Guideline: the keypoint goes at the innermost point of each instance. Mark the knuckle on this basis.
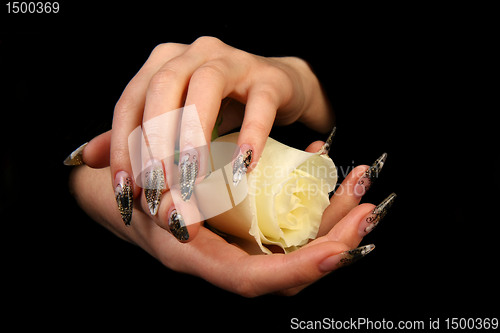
(119, 156)
(166, 49)
(256, 126)
(165, 76)
(124, 105)
(268, 95)
(207, 41)
(209, 72)
(276, 73)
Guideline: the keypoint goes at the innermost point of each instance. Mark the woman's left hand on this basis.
(212, 258)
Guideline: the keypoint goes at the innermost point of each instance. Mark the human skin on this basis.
(264, 91)
(212, 258)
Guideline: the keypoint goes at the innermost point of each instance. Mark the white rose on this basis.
(280, 203)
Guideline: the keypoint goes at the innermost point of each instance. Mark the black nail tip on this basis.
(177, 226)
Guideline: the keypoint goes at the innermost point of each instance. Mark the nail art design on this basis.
(177, 226)
(328, 143)
(351, 256)
(124, 196)
(241, 164)
(155, 183)
(75, 158)
(366, 181)
(189, 171)
(377, 214)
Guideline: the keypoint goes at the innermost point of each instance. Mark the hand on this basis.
(274, 90)
(210, 257)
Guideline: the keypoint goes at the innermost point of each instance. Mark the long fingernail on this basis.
(75, 158)
(376, 215)
(366, 181)
(189, 167)
(241, 163)
(345, 258)
(154, 185)
(177, 226)
(124, 195)
(328, 143)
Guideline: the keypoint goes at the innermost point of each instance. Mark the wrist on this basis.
(315, 111)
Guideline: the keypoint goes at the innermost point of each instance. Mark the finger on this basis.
(315, 146)
(347, 229)
(127, 133)
(358, 223)
(258, 120)
(273, 273)
(129, 109)
(162, 114)
(205, 92)
(343, 200)
(232, 269)
(96, 153)
(186, 221)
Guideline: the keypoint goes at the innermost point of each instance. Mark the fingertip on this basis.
(315, 146)
(193, 230)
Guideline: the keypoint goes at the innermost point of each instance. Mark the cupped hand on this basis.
(211, 257)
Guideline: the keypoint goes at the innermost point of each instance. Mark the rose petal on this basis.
(282, 200)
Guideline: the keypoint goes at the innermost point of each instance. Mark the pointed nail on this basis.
(124, 196)
(366, 181)
(328, 143)
(189, 171)
(241, 163)
(351, 256)
(345, 258)
(75, 158)
(177, 226)
(154, 185)
(378, 213)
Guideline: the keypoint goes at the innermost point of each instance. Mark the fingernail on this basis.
(369, 176)
(75, 158)
(345, 258)
(378, 213)
(328, 143)
(154, 184)
(188, 167)
(241, 163)
(177, 226)
(124, 195)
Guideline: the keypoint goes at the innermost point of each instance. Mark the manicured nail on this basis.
(75, 158)
(369, 176)
(189, 168)
(345, 258)
(124, 195)
(154, 185)
(241, 163)
(177, 226)
(378, 213)
(328, 143)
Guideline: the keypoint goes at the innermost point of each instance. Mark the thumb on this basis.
(96, 153)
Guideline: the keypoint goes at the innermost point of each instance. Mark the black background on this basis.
(401, 81)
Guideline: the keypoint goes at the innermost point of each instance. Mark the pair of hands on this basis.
(274, 90)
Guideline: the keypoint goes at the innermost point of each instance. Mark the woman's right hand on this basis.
(273, 90)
